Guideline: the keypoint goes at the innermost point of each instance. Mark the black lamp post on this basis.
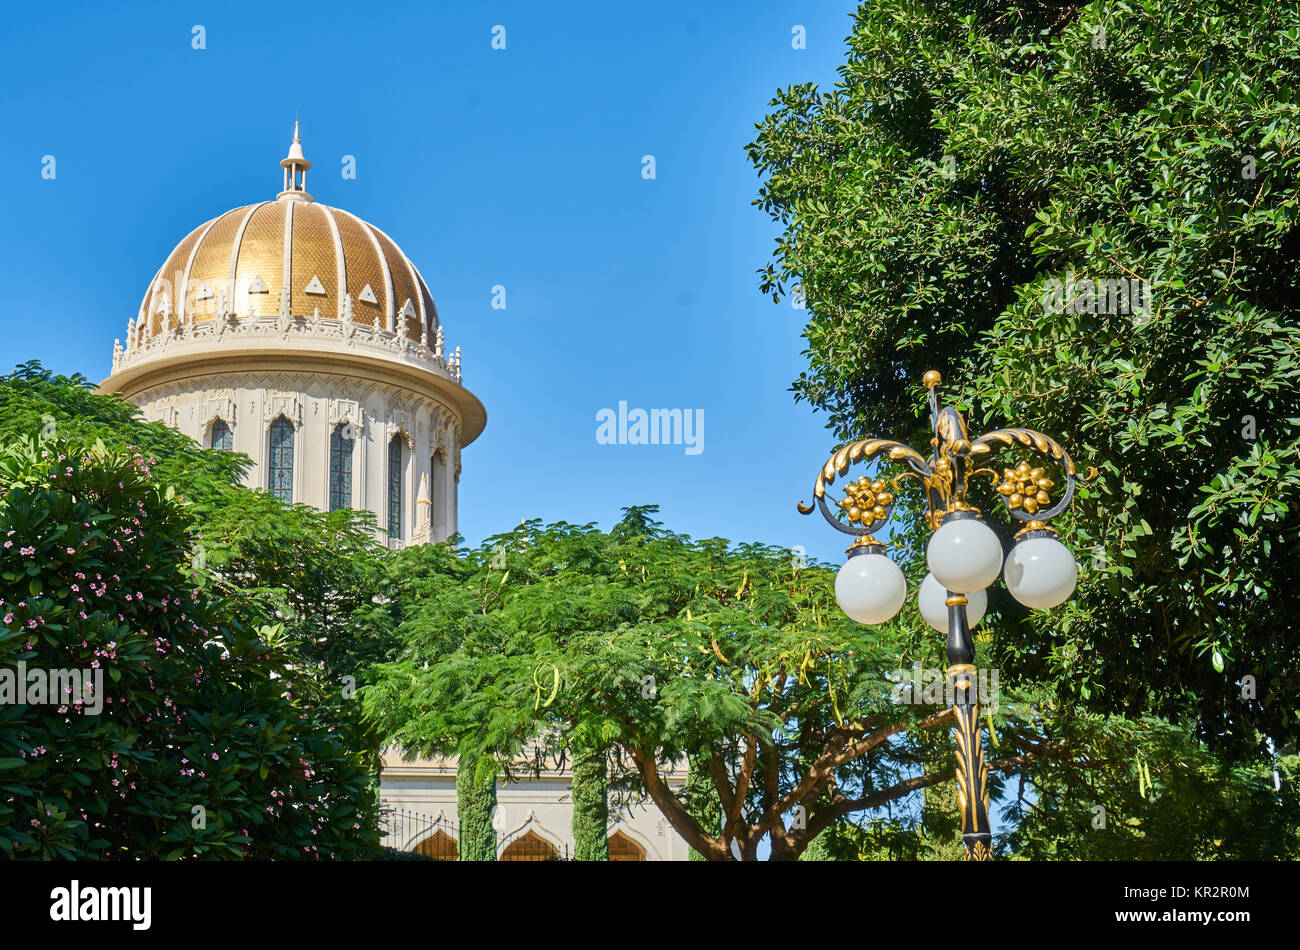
(964, 556)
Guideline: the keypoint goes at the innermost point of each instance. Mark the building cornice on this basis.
(297, 344)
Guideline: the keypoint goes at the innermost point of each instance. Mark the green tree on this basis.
(310, 572)
(969, 198)
(476, 801)
(1170, 798)
(196, 736)
(590, 803)
(672, 650)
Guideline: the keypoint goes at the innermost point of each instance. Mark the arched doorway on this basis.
(623, 848)
(529, 847)
(440, 846)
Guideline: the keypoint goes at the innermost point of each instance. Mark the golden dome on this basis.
(290, 255)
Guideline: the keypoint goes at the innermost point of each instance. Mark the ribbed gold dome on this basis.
(241, 263)
(243, 260)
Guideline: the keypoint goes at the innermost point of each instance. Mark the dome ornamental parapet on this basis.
(302, 332)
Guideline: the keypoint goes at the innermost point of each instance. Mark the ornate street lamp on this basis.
(964, 556)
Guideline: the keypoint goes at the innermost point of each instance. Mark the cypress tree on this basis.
(590, 804)
(476, 798)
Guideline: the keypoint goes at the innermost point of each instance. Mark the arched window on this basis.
(281, 468)
(530, 847)
(623, 848)
(222, 438)
(395, 487)
(436, 475)
(440, 846)
(341, 467)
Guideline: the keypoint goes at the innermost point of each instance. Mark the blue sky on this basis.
(519, 167)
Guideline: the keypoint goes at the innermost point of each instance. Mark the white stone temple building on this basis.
(302, 336)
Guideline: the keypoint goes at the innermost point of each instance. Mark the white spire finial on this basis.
(295, 167)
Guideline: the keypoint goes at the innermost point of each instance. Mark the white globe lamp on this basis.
(1040, 571)
(932, 599)
(964, 555)
(870, 588)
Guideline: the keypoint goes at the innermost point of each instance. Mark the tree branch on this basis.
(681, 820)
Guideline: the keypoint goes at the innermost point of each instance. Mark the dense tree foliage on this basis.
(311, 572)
(214, 601)
(193, 735)
(673, 650)
(1171, 798)
(968, 198)
(552, 640)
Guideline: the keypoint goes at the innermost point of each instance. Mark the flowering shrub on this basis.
(196, 737)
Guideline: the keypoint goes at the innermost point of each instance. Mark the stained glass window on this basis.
(341, 467)
(282, 459)
(222, 438)
(395, 487)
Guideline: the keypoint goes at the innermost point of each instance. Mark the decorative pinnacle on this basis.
(295, 156)
(932, 378)
(295, 167)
